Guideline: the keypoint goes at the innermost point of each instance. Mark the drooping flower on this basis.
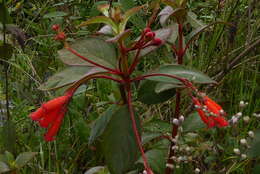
(50, 115)
(210, 112)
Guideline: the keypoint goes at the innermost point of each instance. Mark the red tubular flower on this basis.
(210, 112)
(51, 114)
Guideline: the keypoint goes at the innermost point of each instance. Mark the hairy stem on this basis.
(137, 136)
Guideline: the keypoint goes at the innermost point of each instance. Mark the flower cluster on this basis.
(50, 115)
(210, 112)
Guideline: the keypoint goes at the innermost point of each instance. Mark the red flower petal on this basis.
(212, 106)
(220, 121)
(53, 130)
(49, 118)
(55, 103)
(37, 115)
(202, 115)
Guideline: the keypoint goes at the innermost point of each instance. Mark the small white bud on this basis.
(246, 119)
(221, 111)
(177, 166)
(239, 114)
(175, 147)
(242, 104)
(243, 141)
(175, 121)
(197, 106)
(236, 151)
(180, 158)
(197, 170)
(243, 156)
(255, 114)
(251, 134)
(181, 119)
(144, 172)
(180, 129)
(173, 158)
(234, 120)
(169, 166)
(188, 149)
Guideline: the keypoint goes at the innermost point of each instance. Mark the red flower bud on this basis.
(150, 35)
(55, 27)
(157, 41)
(147, 29)
(60, 36)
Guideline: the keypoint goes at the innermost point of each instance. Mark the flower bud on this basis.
(181, 119)
(147, 29)
(236, 151)
(197, 170)
(243, 141)
(246, 119)
(55, 27)
(175, 121)
(243, 156)
(150, 35)
(239, 114)
(251, 134)
(242, 104)
(60, 36)
(157, 41)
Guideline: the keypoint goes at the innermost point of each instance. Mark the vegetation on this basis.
(159, 86)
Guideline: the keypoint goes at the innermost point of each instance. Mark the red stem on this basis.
(183, 80)
(137, 136)
(92, 62)
(181, 51)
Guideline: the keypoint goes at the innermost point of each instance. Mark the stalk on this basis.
(137, 136)
(179, 53)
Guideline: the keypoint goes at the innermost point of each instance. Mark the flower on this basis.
(50, 115)
(210, 112)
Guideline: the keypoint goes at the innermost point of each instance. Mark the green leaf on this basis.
(95, 49)
(55, 14)
(147, 95)
(193, 123)
(24, 158)
(194, 76)
(101, 19)
(100, 124)
(148, 136)
(128, 14)
(163, 34)
(118, 142)
(96, 170)
(69, 76)
(4, 167)
(256, 169)
(157, 159)
(82, 129)
(254, 151)
(161, 87)
(192, 19)
(5, 17)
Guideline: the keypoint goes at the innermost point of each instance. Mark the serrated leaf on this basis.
(95, 49)
(55, 14)
(147, 95)
(193, 123)
(118, 142)
(100, 124)
(4, 167)
(128, 14)
(254, 151)
(69, 76)
(24, 158)
(163, 34)
(99, 20)
(194, 76)
(192, 19)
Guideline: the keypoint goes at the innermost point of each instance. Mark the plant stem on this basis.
(180, 53)
(92, 62)
(137, 136)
